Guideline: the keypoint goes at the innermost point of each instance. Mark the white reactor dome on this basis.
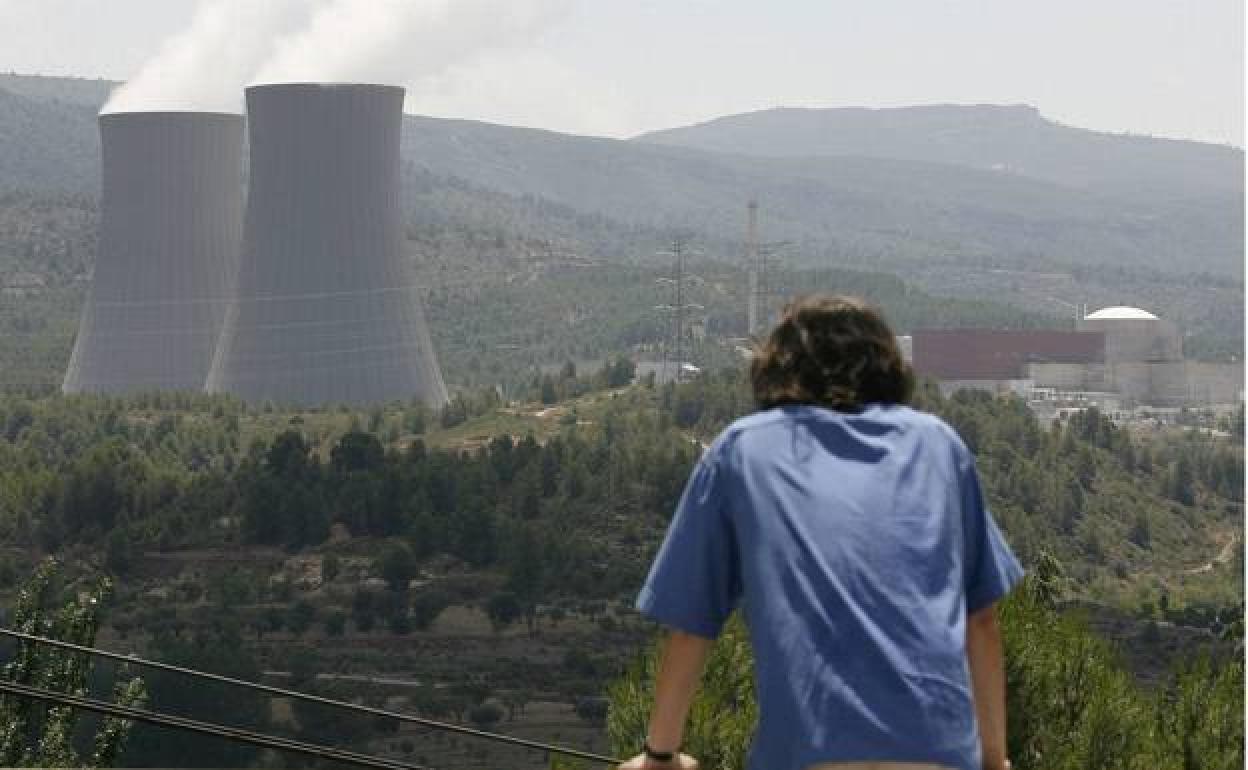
(1119, 313)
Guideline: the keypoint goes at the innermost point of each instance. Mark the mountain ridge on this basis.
(847, 208)
(1014, 138)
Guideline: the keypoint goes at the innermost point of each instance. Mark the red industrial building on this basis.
(1120, 354)
(999, 355)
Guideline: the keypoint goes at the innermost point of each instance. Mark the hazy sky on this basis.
(619, 67)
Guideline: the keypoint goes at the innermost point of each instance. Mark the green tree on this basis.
(397, 566)
(1141, 531)
(357, 452)
(427, 605)
(1049, 580)
(330, 567)
(304, 664)
(300, 617)
(1199, 717)
(119, 551)
(723, 714)
(549, 394)
(335, 623)
(503, 609)
(486, 715)
(217, 648)
(592, 710)
(620, 372)
(1182, 480)
(1070, 704)
(34, 735)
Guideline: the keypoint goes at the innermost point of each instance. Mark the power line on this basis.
(308, 698)
(315, 295)
(679, 277)
(767, 293)
(274, 297)
(751, 266)
(205, 728)
(678, 254)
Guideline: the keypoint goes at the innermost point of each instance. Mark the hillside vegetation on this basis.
(1132, 516)
(506, 294)
(504, 297)
(1070, 704)
(483, 560)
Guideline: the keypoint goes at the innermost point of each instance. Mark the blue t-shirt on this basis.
(856, 544)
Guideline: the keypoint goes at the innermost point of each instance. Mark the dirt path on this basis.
(1225, 554)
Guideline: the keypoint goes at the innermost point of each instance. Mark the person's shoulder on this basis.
(920, 420)
(756, 420)
(782, 416)
(745, 427)
(908, 419)
(935, 428)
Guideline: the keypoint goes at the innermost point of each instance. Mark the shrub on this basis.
(427, 605)
(485, 715)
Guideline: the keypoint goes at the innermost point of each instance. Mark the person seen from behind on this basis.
(852, 532)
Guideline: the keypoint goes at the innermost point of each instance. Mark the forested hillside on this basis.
(1133, 515)
(517, 283)
(482, 561)
(867, 208)
(47, 146)
(89, 92)
(508, 288)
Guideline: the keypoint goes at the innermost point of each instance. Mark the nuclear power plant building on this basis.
(1143, 353)
(1123, 354)
(325, 310)
(170, 225)
(1004, 360)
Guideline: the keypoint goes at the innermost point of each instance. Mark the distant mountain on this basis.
(89, 92)
(1013, 139)
(847, 208)
(994, 186)
(48, 145)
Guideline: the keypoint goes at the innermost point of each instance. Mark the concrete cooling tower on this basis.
(325, 310)
(170, 227)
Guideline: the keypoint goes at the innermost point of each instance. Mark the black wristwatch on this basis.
(658, 756)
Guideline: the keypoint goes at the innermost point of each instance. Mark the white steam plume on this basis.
(231, 43)
(526, 88)
(204, 66)
(396, 41)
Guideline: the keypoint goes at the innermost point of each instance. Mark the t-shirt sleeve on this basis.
(694, 583)
(991, 568)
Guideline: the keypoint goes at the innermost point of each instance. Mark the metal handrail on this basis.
(308, 698)
(205, 728)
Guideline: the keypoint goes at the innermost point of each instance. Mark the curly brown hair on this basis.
(832, 351)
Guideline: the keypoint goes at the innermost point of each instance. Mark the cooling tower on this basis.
(170, 227)
(325, 309)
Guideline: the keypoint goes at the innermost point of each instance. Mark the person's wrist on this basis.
(657, 755)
